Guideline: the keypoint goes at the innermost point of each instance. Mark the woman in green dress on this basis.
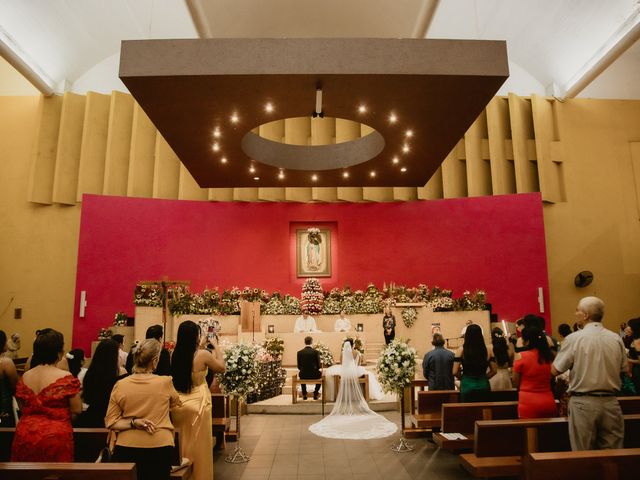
(474, 365)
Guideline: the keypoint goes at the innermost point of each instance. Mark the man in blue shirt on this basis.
(437, 365)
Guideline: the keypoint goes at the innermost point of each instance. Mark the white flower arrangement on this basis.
(409, 316)
(241, 375)
(396, 366)
(326, 358)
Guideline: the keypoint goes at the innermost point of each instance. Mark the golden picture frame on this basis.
(313, 258)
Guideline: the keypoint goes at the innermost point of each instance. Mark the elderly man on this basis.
(596, 358)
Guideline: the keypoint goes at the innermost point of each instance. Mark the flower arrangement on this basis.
(171, 346)
(274, 347)
(241, 375)
(326, 358)
(104, 333)
(409, 316)
(148, 296)
(274, 306)
(291, 305)
(120, 319)
(396, 366)
(312, 296)
(442, 304)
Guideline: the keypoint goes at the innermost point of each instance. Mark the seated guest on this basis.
(437, 365)
(164, 364)
(102, 375)
(189, 365)
(342, 324)
(501, 353)
(532, 374)
(309, 366)
(305, 323)
(75, 362)
(122, 355)
(472, 362)
(139, 413)
(8, 380)
(47, 396)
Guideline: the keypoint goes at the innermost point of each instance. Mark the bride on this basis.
(351, 417)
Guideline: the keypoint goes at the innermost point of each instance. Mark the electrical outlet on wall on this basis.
(17, 313)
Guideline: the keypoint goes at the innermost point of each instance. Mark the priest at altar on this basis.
(305, 324)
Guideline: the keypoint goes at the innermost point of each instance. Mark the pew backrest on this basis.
(431, 401)
(629, 405)
(67, 471)
(586, 465)
(461, 417)
(507, 395)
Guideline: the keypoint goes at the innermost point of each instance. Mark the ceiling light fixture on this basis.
(256, 178)
(281, 175)
(223, 160)
(215, 147)
(403, 169)
(393, 118)
(372, 174)
(268, 107)
(252, 169)
(234, 118)
(314, 177)
(216, 132)
(405, 148)
(362, 109)
(409, 133)
(395, 160)
(345, 174)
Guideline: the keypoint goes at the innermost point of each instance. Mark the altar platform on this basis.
(282, 405)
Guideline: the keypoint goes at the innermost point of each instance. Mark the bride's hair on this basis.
(348, 340)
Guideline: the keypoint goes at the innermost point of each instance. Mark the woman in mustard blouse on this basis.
(139, 413)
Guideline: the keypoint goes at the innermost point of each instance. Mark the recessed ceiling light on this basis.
(281, 175)
(405, 148)
(345, 174)
(395, 160)
(252, 169)
(234, 118)
(393, 118)
(372, 173)
(362, 109)
(314, 177)
(216, 132)
(215, 147)
(268, 107)
(403, 169)
(409, 133)
(256, 178)
(223, 160)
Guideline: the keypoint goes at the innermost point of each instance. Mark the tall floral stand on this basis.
(402, 445)
(238, 455)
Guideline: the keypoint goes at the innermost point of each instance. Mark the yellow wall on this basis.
(587, 150)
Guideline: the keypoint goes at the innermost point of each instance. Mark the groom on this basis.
(309, 366)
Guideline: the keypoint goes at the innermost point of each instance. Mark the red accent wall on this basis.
(495, 243)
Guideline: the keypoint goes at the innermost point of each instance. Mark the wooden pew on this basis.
(619, 464)
(363, 380)
(629, 405)
(220, 421)
(68, 471)
(500, 445)
(295, 381)
(429, 411)
(461, 418)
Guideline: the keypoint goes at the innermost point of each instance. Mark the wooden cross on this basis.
(165, 284)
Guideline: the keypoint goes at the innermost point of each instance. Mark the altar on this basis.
(295, 341)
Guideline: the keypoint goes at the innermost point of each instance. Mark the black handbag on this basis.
(106, 452)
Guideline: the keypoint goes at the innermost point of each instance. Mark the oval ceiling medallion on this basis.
(324, 156)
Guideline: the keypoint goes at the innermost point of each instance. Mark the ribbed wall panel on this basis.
(273, 194)
(221, 194)
(550, 169)
(166, 171)
(94, 145)
(188, 188)
(503, 176)
(478, 167)
(297, 131)
(521, 132)
(246, 194)
(349, 194)
(454, 173)
(142, 155)
(324, 194)
(405, 194)
(377, 194)
(323, 131)
(346, 130)
(116, 171)
(433, 190)
(65, 177)
(298, 194)
(43, 163)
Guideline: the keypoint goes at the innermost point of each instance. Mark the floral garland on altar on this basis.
(409, 316)
(370, 301)
(396, 366)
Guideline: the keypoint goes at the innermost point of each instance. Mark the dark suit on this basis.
(309, 366)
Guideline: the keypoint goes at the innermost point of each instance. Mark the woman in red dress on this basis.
(48, 396)
(532, 373)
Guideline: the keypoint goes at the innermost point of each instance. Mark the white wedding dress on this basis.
(375, 389)
(351, 417)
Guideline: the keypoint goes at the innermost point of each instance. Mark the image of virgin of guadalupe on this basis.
(314, 254)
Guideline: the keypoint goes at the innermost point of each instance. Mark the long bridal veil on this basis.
(351, 417)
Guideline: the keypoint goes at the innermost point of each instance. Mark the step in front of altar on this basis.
(282, 405)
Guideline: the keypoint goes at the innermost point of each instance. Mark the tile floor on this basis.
(282, 448)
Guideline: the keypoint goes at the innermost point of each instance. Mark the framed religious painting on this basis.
(313, 252)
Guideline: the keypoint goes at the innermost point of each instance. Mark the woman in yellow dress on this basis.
(189, 365)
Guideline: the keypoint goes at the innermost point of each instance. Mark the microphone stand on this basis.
(253, 326)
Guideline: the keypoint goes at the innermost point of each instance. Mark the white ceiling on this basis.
(75, 43)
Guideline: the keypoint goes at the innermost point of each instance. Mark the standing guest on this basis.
(8, 381)
(164, 364)
(437, 365)
(139, 413)
(503, 357)
(122, 355)
(596, 357)
(531, 373)
(305, 323)
(342, 324)
(101, 376)
(471, 363)
(75, 362)
(564, 330)
(13, 345)
(536, 321)
(189, 365)
(389, 325)
(633, 330)
(47, 396)
(308, 362)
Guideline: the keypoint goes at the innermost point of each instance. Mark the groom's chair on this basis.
(363, 380)
(295, 381)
